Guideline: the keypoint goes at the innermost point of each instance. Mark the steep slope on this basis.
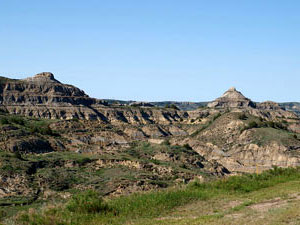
(41, 157)
(232, 99)
(246, 143)
(41, 89)
(43, 96)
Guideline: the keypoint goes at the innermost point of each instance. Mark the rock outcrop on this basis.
(42, 89)
(269, 105)
(141, 104)
(232, 99)
(43, 96)
(230, 142)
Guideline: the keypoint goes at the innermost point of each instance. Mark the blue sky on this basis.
(156, 50)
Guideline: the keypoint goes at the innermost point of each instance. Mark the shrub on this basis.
(187, 146)
(216, 116)
(295, 136)
(83, 161)
(252, 124)
(242, 116)
(34, 129)
(75, 119)
(271, 124)
(17, 120)
(17, 155)
(166, 142)
(2, 214)
(4, 121)
(87, 202)
(57, 179)
(172, 106)
(45, 130)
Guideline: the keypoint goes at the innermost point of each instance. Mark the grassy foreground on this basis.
(234, 200)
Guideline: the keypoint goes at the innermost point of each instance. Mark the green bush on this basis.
(75, 119)
(57, 179)
(261, 124)
(2, 214)
(172, 106)
(17, 155)
(87, 202)
(166, 142)
(242, 116)
(45, 130)
(17, 120)
(187, 146)
(216, 116)
(252, 124)
(83, 161)
(4, 121)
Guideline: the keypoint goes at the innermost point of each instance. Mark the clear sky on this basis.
(185, 50)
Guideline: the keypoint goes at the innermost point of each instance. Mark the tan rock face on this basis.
(252, 150)
(45, 75)
(134, 133)
(154, 131)
(41, 89)
(44, 97)
(232, 99)
(269, 105)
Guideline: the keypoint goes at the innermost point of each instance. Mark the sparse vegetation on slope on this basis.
(263, 124)
(206, 125)
(32, 125)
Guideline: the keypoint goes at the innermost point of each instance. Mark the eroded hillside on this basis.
(56, 140)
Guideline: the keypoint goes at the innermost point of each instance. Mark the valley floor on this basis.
(274, 205)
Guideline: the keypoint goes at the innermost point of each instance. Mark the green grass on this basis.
(154, 204)
(28, 124)
(264, 124)
(264, 136)
(87, 202)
